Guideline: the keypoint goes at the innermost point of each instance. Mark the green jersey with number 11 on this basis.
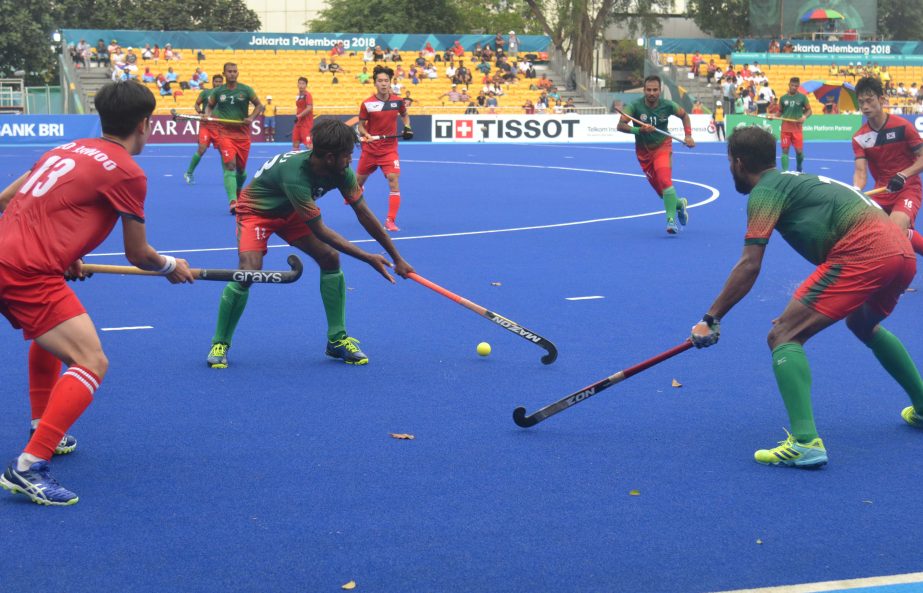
(657, 116)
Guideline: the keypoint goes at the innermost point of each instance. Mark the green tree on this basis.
(721, 18)
(388, 16)
(493, 16)
(25, 44)
(900, 19)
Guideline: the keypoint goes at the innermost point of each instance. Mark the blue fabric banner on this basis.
(47, 129)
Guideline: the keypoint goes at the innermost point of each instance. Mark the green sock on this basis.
(230, 184)
(785, 161)
(333, 293)
(669, 202)
(194, 163)
(799, 159)
(241, 177)
(793, 375)
(892, 355)
(233, 302)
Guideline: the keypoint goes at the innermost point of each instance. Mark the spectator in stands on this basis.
(834, 71)
(901, 91)
(448, 55)
(499, 42)
(728, 88)
(711, 71)
(110, 49)
(334, 68)
(147, 53)
(168, 53)
(541, 104)
(117, 55)
(396, 86)
(553, 94)
(400, 73)
(171, 75)
(200, 57)
(450, 70)
(364, 76)
(414, 75)
(512, 46)
(368, 55)
(193, 82)
(697, 107)
(408, 100)
(483, 67)
(322, 67)
(788, 47)
(492, 103)
(378, 54)
(544, 83)
(696, 63)
(396, 56)
(530, 71)
(164, 85)
(569, 106)
(155, 53)
(82, 51)
(528, 108)
(830, 108)
(739, 45)
(912, 91)
(102, 53)
(774, 46)
(452, 94)
(764, 98)
(774, 109)
(131, 58)
(428, 52)
(148, 76)
(339, 49)
(462, 75)
(458, 50)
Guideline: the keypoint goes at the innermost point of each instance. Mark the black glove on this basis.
(897, 183)
(407, 134)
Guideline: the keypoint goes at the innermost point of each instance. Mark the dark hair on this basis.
(754, 146)
(122, 106)
(794, 79)
(653, 78)
(869, 84)
(331, 136)
(300, 78)
(216, 77)
(382, 70)
(226, 64)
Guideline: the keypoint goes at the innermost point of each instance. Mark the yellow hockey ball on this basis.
(483, 348)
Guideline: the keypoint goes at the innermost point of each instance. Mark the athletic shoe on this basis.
(390, 226)
(671, 226)
(188, 178)
(67, 445)
(38, 484)
(346, 350)
(682, 214)
(794, 454)
(233, 206)
(218, 357)
(911, 417)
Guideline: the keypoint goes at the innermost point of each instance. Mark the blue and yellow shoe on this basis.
(682, 212)
(38, 484)
(672, 228)
(791, 453)
(67, 445)
(911, 417)
(218, 357)
(347, 351)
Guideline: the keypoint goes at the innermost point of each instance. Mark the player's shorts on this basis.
(795, 139)
(254, 231)
(907, 201)
(389, 163)
(234, 150)
(269, 122)
(301, 134)
(841, 284)
(36, 304)
(208, 136)
(657, 165)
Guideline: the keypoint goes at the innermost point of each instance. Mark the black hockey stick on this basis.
(256, 276)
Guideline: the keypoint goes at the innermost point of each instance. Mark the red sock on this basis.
(916, 240)
(394, 204)
(44, 369)
(70, 397)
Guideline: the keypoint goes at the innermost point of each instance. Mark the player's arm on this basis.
(405, 118)
(308, 109)
(371, 225)
(860, 172)
(363, 132)
(211, 105)
(257, 111)
(687, 127)
(199, 105)
(742, 278)
(11, 190)
(625, 125)
(341, 244)
(807, 112)
(140, 253)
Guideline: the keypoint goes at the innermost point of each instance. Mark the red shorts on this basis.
(36, 304)
(907, 201)
(657, 165)
(301, 134)
(254, 231)
(234, 150)
(207, 136)
(389, 163)
(795, 139)
(838, 289)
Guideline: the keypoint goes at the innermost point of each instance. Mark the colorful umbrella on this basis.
(842, 93)
(821, 14)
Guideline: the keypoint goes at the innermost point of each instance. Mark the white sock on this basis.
(25, 461)
(35, 423)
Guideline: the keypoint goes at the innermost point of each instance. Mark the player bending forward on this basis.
(61, 209)
(655, 150)
(864, 263)
(281, 199)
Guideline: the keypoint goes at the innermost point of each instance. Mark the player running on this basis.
(654, 150)
(281, 199)
(232, 101)
(304, 116)
(891, 147)
(207, 132)
(378, 117)
(795, 110)
(863, 262)
(53, 215)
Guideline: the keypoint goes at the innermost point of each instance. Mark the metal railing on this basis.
(12, 96)
(575, 78)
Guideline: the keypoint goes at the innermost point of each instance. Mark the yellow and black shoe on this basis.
(911, 417)
(218, 357)
(791, 453)
(347, 351)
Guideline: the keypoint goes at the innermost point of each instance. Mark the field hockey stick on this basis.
(876, 191)
(500, 320)
(519, 414)
(658, 130)
(204, 118)
(255, 276)
(361, 139)
(794, 121)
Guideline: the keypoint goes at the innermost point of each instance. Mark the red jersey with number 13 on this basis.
(380, 119)
(69, 204)
(888, 150)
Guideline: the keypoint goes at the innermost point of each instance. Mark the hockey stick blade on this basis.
(525, 421)
(513, 327)
(258, 276)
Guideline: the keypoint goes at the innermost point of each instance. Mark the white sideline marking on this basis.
(584, 298)
(130, 327)
(883, 581)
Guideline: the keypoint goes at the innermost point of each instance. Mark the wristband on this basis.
(688, 131)
(634, 131)
(709, 320)
(168, 266)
